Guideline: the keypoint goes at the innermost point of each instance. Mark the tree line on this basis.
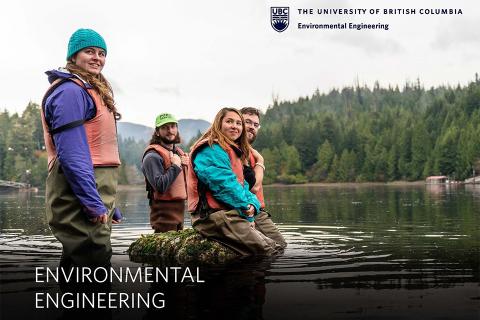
(23, 157)
(359, 134)
(22, 149)
(353, 134)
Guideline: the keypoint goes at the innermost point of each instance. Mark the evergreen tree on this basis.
(420, 150)
(333, 172)
(447, 157)
(392, 172)
(381, 164)
(325, 156)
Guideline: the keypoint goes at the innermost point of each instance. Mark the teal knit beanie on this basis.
(83, 38)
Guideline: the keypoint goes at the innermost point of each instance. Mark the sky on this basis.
(191, 58)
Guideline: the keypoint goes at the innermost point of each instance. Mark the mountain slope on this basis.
(188, 129)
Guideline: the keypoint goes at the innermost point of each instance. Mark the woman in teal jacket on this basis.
(219, 199)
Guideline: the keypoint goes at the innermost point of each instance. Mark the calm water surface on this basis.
(354, 252)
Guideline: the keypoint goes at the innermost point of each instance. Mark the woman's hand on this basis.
(100, 219)
(250, 211)
(117, 216)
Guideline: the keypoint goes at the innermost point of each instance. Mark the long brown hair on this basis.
(99, 83)
(214, 134)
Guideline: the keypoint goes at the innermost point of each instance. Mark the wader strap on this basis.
(55, 85)
(268, 213)
(70, 125)
(202, 207)
(150, 191)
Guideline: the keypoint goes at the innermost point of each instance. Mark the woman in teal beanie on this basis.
(79, 122)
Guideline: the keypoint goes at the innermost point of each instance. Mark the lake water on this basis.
(354, 252)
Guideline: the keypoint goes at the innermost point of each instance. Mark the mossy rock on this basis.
(182, 247)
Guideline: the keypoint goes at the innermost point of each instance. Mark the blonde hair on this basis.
(214, 134)
(99, 83)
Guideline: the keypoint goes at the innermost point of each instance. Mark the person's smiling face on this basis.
(252, 124)
(232, 125)
(168, 132)
(90, 59)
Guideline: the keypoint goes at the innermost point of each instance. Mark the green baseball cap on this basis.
(164, 118)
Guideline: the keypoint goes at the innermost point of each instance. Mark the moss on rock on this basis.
(182, 247)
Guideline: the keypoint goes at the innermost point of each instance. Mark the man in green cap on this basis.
(164, 166)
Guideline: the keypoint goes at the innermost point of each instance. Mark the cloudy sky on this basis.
(191, 58)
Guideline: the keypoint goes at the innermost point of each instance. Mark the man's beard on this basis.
(170, 141)
(252, 139)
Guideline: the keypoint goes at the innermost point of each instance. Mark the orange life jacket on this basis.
(259, 193)
(192, 179)
(101, 130)
(178, 188)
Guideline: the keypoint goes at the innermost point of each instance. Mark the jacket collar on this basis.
(62, 73)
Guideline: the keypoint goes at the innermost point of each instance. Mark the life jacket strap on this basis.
(69, 125)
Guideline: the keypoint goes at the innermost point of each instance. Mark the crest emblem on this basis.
(279, 18)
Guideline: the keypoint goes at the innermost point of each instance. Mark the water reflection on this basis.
(353, 252)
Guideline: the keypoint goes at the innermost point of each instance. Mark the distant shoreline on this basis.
(126, 187)
(350, 184)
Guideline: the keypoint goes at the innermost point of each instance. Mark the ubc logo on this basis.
(279, 18)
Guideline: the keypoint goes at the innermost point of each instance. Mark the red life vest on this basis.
(101, 131)
(192, 180)
(259, 193)
(178, 188)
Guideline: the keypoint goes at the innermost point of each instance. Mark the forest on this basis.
(353, 134)
(358, 134)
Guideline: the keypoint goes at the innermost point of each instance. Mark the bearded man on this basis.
(164, 166)
(263, 221)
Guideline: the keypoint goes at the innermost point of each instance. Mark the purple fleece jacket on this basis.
(67, 103)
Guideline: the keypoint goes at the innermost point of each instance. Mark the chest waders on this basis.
(233, 231)
(84, 243)
(167, 215)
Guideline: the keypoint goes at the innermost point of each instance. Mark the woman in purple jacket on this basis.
(79, 121)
